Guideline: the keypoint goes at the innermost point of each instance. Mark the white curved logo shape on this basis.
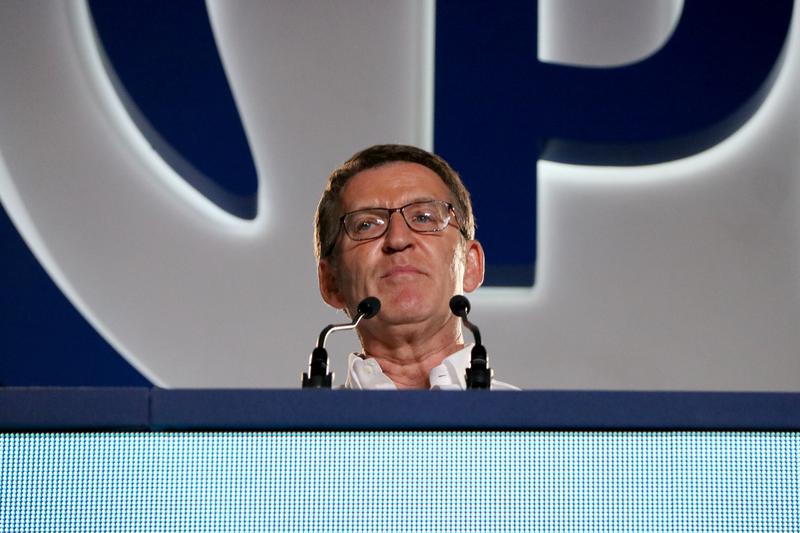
(688, 278)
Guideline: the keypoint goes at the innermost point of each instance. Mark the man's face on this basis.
(413, 274)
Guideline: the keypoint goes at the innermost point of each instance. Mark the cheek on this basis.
(457, 265)
(355, 274)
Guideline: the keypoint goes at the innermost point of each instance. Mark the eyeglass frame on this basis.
(392, 210)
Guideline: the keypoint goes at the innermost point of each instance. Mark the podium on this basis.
(320, 460)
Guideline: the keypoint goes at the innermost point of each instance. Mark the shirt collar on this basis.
(366, 373)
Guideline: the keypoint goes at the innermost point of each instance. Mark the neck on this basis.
(407, 356)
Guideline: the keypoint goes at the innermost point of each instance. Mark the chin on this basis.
(405, 309)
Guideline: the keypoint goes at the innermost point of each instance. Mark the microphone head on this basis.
(459, 305)
(369, 307)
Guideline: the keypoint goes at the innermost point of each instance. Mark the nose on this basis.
(398, 236)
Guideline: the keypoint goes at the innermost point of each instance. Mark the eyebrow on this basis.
(413, 201)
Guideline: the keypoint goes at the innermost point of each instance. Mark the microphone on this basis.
(318, 376)
(459, 304)
(478, 375)
(369, 307)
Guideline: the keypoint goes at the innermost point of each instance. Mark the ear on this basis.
(474, 268)
(328, 286)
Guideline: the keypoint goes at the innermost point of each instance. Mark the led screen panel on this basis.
(400, 481)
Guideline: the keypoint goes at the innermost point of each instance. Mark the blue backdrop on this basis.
(497, 111)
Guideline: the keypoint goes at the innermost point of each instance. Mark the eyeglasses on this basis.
(430, 216)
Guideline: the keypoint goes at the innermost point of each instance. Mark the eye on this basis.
(423, 218)
(365, 224)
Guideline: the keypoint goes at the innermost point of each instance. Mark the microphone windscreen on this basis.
(369, 307)
(459, 305)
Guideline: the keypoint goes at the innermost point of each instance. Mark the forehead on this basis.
(393, 185)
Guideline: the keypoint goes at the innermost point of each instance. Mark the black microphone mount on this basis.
(479, 375)
(318, 376)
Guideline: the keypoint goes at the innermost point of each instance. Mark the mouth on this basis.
(401, 271)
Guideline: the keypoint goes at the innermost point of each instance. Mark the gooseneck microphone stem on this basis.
(318, 376)
(476, 333)
(478, 375)
(323, 336)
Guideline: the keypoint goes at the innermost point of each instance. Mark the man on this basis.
(396, 222)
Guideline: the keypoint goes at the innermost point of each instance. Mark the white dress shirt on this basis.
(366, 373)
